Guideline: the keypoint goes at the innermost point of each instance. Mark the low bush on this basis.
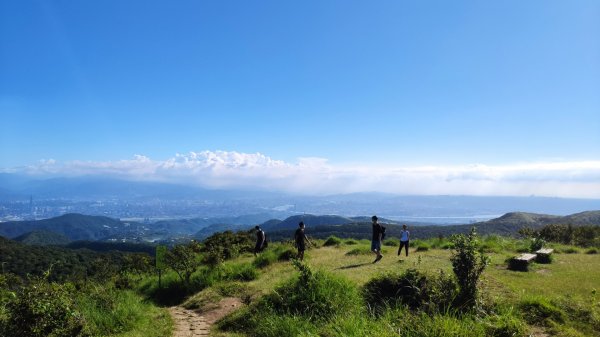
(314, 295)
(504, 325)
(43, 309)
(286, 253)
(264, 259)
(536, 243)
(391, 242)
(539, 310)
(411, 288)
(570, 250)
(351, 242)
(592, 251)
(423, 247)
(332, 241)
(297, 307)
(239, 272)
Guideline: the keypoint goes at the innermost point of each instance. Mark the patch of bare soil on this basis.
(196, 323)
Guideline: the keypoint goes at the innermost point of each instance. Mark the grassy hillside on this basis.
(556, 299)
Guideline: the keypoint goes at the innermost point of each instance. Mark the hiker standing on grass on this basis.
(376, 239)
(300, 238)
(261, 239)
(404, 238)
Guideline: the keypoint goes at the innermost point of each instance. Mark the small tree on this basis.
(183, 259)
(138, 264)
(468, 263)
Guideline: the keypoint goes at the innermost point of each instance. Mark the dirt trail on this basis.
(190, 323)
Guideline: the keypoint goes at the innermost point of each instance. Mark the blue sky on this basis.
(396, 83)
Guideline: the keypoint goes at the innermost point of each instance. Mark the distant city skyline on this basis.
(467, 97)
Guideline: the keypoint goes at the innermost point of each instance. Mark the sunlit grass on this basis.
(570, 278)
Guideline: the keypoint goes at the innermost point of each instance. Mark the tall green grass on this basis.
(109, 312)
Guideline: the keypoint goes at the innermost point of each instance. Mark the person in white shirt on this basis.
(404, 238)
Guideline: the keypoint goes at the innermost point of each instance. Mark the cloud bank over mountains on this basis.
(232, 170)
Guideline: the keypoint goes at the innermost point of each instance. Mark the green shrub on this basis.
(43, 309)
(423, 247)
(314, 295)
(264, 259)
(351, 242)
(539, 310)
(240, 272)
(438, 242)
(411, 288)
(390, 242)
(468, 263)
(286, 254)
(592, 251)
(504, 325)
(228, 245)
(332, 241)
(536, 244)
(570, 250)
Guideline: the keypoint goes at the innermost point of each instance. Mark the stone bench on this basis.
(521, 262)
(543, 255)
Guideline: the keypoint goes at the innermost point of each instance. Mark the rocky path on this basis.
(190, 323)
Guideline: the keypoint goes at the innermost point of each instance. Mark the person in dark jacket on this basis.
(376, 238)
(300, 239)
(260, 240)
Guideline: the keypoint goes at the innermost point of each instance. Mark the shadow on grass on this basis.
(354, 265)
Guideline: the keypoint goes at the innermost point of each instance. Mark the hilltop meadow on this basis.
(447, 286)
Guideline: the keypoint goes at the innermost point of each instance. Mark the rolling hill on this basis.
(43, 238)
(73, 226)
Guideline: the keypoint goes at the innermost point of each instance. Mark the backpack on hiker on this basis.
(382, 232)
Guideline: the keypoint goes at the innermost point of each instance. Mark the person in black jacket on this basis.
(260, 240)
(376, 238)
(300, 239)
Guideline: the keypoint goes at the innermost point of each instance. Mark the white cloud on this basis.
(222, 169)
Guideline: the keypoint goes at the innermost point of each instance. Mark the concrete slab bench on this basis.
(521, 262)
(543, 255)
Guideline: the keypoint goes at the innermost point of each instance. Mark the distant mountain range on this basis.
(74, 227)
(97, 195)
